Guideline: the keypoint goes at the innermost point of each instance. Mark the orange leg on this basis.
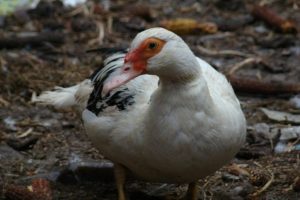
(120, 176)
(192, 192)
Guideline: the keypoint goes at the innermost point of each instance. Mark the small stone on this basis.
(65, 176)
(229, 177)
(244, 190)
(290, 133)
(93, 170)
(237, 170)
(281, 147)
(86, 171)
(295, 101)
(237, 190)
(10, 123)
(8, 153)
(22, 144)
(262, 128)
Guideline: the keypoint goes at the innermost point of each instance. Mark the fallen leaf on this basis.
(281, 116)
(296, 101)
(290, 133)
(184, 26)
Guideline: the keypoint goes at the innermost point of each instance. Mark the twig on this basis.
(293, 144)
(232, 24)
(26, 133)
(273, 19)
(81, 9)
(110, 21)
(33, 40)
(257, 86)
(217, 36)
(221, 53)
(3, 102)
(101, 33)
(266, 186)
(271, 143)
(257, 164)
(242, 64)
(250, 85)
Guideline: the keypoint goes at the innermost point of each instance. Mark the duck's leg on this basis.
(120, 176)
(192, 192)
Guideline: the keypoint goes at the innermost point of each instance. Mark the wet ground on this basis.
(46, 46)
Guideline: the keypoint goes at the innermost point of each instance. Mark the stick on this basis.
(242, 64)
(273, 19)
(249, 85)
(221, 53)
(266, 186)
(33, 40)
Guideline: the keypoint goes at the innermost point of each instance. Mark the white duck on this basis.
(180, 130)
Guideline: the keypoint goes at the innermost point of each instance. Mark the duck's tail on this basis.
(62, 98)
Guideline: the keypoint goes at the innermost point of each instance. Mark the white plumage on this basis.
(180, 130)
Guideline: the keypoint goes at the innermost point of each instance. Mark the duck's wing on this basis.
(217, 83)
(119, 113)
(88, 93)
(123, 98)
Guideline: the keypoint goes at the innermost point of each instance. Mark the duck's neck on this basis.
(174, 103)
(190, 94)
(188, 81)
(187, 91)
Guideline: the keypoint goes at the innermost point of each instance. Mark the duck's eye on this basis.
(152, 45)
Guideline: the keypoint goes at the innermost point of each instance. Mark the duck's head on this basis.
(156, 51)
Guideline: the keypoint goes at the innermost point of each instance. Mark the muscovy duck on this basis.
(158, 111)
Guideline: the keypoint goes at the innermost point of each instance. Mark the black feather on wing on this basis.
(120, 98)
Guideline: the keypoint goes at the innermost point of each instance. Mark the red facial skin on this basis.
(147, 49)
(136, 58)
(135, 63)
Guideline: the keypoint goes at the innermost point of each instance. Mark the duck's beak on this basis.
(134, 65)
(126, 73)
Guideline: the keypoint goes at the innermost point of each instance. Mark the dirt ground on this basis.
(46, 46)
